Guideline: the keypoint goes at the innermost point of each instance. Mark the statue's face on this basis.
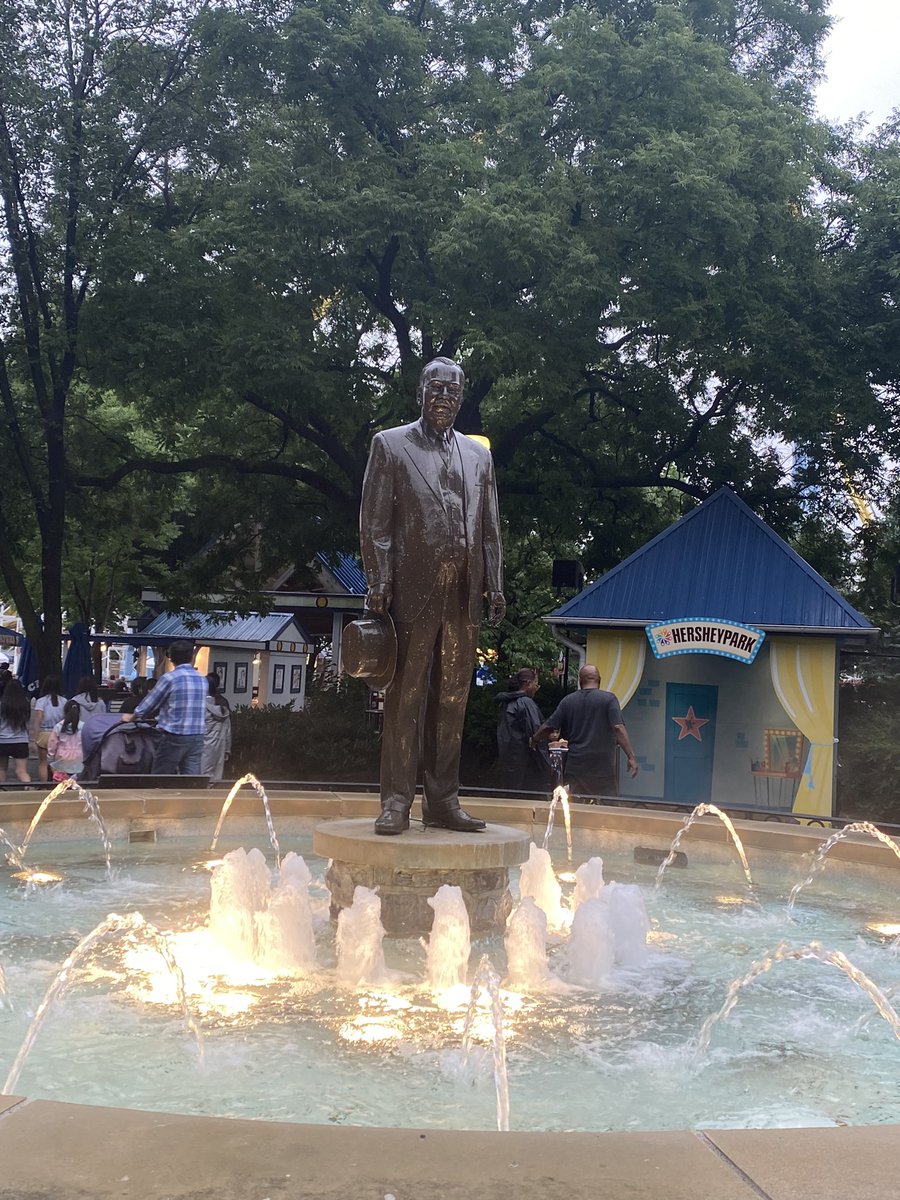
(441, 392)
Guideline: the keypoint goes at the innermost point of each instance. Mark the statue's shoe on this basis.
(392, 820)
(456, 819)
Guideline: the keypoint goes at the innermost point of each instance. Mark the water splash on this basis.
(703, 810)
(91, 807)
(560, 797)
(130, 924)
(486, 979)
(628, 922)
(12, 856)
(782, 953)
(255, 922)
(818, 862)
(4, 990)
(360, 934)
(253, 782)
(538, 880)
(526, 946)
(588, 881)
(591, 951)
(449, 943)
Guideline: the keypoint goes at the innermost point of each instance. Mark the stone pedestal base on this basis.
(408, 869)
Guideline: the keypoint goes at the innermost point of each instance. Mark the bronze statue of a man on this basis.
(430, 539)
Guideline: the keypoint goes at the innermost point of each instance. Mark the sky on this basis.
(862, 65)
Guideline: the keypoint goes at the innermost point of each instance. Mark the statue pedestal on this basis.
(409, 868)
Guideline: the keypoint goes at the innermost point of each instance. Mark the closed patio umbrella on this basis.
(78, 662)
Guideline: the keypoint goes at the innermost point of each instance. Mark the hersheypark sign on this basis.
(705, 635)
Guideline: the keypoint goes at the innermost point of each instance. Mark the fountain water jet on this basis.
(449, 943)
(131, 923)
(92, 808)
(591, 950)
(253, 782)
(360, 934)
(628, 922)
(12, 856)
(782, 953)
(588, 881)
(560, 797)
(526, 946)
(487, 979)
(818, 862)
(703, 810)
(538, 880)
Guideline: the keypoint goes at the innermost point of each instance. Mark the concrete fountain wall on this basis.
(72, 1152)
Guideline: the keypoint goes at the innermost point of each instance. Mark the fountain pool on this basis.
(618, 1054)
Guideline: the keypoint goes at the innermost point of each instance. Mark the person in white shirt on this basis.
(48, 710)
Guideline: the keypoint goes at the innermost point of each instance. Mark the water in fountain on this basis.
(4, 992)
(591, 951)
(864, 827)
(255, 922)
(526, 947)
(12, 856)
(703, 810)
(538, 880)
(487, 979)
(588, 881)
(782, 953)
(449, 942)
(92, 808)
(133, 924)
(251, 781)
(560, 797)
(360, 935)
(628, 922)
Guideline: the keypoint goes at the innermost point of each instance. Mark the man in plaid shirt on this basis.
(180, 699)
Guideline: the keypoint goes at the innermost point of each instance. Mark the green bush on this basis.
(868, 782)
(330, 739)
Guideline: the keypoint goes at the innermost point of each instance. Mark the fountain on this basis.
(703, 810)
(620, 996)
(560, 797)
(91, 807)
(449, 942)
(248, 780)
(131, 924)
(818, 863)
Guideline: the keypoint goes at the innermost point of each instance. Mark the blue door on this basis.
(690, 741)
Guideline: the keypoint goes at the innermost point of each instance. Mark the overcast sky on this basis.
(863, 61)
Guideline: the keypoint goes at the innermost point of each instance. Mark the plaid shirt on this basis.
(180, 699)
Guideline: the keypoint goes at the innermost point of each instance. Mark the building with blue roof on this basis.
(721, 644)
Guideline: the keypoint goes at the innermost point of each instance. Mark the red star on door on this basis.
(691, 724)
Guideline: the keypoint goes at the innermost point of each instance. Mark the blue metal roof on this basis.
(720, 560)
(219, 627)
(346, 571)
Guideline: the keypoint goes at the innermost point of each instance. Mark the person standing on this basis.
(591, 722)
(430, 541)
(15, 711)
(523, 767)
(89, 699)
(48, 710)
(217, 736)
(64, 747)
(180, 700)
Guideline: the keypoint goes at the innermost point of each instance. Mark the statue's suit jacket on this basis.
(404, 526)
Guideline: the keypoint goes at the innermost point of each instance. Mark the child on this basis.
(64, 747)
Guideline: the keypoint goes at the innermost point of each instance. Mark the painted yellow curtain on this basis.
(619, 657)
(803, 675)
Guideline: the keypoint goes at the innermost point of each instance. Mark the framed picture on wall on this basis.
(278, 678)
(221, 669)
(240, 677)
(296, 679)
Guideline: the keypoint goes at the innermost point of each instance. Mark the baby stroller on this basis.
(113, 748)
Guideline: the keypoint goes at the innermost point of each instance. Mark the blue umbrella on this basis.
(27, 671)
(78, 659)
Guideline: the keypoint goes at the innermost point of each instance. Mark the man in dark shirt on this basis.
(591, 722)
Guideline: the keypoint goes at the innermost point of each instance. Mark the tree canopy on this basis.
(234, 234)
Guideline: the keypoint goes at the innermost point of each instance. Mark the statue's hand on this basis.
(378, 600)
(496, 608)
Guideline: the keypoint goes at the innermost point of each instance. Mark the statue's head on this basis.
(440, 393)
